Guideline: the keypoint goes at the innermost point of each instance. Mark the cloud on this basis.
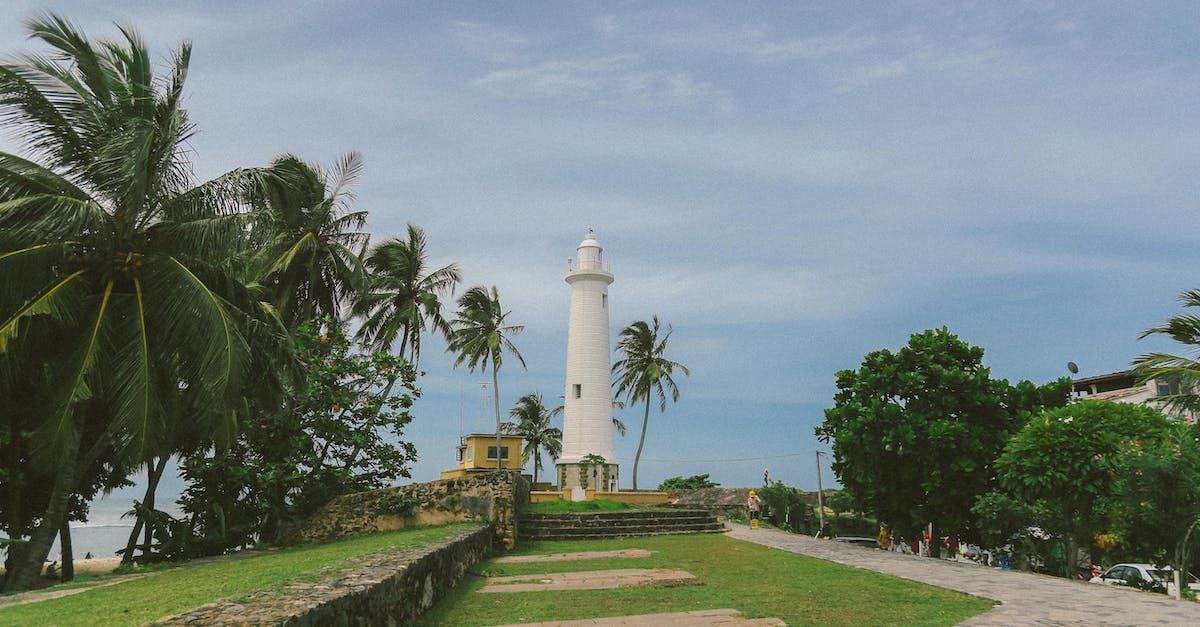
(613, 81)
(808, 48)
(974, 59)
(758, 45)
(498, 45)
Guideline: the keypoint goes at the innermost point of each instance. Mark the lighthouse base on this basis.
(597, 477)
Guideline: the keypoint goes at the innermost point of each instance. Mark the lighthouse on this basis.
(587, 404)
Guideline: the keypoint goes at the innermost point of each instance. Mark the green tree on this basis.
(694, 482)
(480, 336)
(1067, 460)
(644, 372)
(289, 462)
(311, 240)
(403, 296)
(915, 432)
(1185, 329)
(1158, 490)
(533, 425)
(108, 248)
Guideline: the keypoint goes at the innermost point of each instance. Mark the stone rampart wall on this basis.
(384, 589)
(492, 497)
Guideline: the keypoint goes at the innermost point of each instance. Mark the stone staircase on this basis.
(645, 522)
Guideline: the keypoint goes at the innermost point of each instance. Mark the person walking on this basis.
(754, 504)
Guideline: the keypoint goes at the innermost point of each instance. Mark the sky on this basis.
(789, 185)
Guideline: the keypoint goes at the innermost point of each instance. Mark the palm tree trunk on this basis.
(496, 398)
(642, 440)
(26, 571)
(153, 474)
(68, 555)
(537, 461)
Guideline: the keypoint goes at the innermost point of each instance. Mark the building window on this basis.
(492, 452)
(578, 390)
(604, 301)
(1167, 388)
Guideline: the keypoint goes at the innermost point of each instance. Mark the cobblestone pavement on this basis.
(1023, 598)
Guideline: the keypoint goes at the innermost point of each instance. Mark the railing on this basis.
(588, 266)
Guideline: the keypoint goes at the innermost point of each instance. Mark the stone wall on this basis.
(492, 497)
(384, 589)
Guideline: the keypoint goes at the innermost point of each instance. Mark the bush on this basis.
(400, 503)
(784, 506)
(694, 482)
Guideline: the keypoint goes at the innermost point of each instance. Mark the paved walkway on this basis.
(1024, 598)
(698, 618)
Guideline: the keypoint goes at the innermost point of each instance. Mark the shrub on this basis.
(693, 482)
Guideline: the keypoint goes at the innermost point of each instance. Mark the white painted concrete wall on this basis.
(587, 420)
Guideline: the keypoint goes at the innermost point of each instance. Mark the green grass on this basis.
(563, 507)
(753, 579)
(186, 586)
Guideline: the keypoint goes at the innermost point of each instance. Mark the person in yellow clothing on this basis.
(754, 504)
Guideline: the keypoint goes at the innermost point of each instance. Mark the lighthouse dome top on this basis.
(589, 261)
(589, 240)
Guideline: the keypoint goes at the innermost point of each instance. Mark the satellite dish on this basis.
(1072, 367)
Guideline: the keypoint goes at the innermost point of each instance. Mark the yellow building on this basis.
(477, 453)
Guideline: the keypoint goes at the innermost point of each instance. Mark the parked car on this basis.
(1140, 576)
(1145, 577)
(858, 541)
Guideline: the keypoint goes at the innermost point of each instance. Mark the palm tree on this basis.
(533, 425)
(403, 297)
(480, 336)
(109, 250)
(644, 371)
(1184, 329)
(311, 242)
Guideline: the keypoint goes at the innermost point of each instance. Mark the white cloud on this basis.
(613, 81)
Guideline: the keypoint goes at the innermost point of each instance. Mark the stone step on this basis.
(636, 513)
(616, 521)
(631, 530)
(598, 535)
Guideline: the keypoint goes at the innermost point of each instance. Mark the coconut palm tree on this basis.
(480, 336)
(644, 372)
(533, 425)
(311, 240)
(1185, 329)
(403, 297)
(108, 247)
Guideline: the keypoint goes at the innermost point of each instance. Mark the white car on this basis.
(1145, 577)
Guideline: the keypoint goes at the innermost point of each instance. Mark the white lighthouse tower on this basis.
(587, 407)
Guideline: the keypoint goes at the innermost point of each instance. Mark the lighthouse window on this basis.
(578, 390)
(604, 301)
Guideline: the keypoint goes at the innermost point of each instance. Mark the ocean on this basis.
(106, 531)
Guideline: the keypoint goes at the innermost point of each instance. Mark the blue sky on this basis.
(790, 185)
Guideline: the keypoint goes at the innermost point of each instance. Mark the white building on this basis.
(1122, 387)
(587, 406)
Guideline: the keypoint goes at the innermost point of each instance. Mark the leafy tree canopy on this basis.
(915, 432)
(1069, 459)
(694, 482)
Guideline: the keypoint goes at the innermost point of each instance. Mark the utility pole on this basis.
(820, 497)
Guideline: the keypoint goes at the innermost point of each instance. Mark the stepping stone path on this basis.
(699, 618)
(570, 557)
(592, 580)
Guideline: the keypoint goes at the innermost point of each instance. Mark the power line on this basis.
(727, 461)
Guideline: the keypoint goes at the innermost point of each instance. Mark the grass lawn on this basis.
(753, 579)
(563, 507)
(186, 586)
